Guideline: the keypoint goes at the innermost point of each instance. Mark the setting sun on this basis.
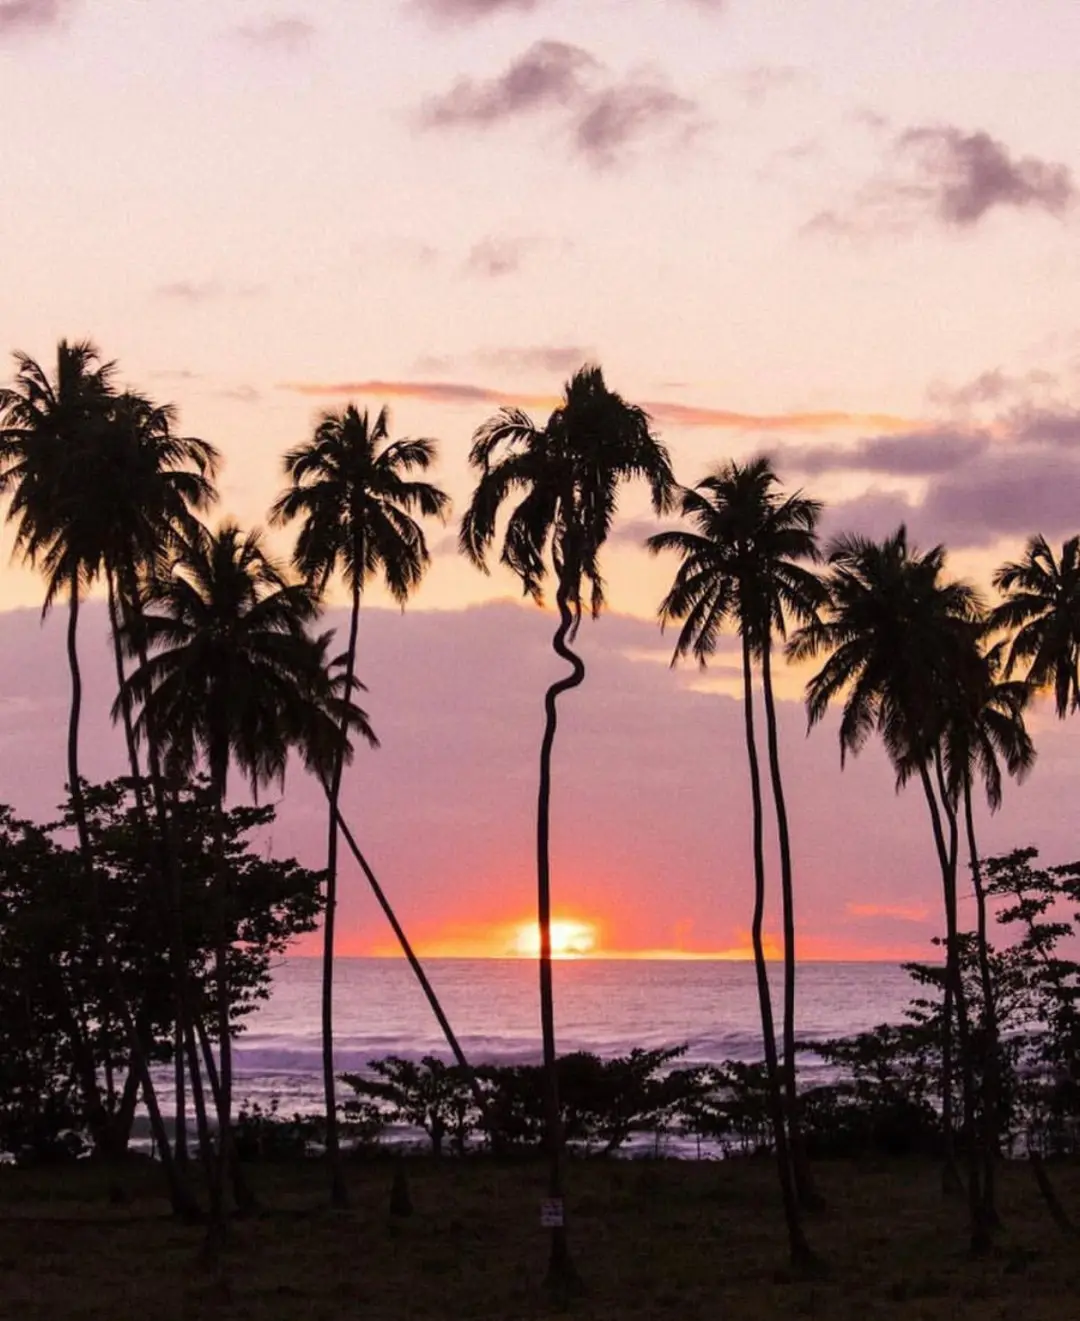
(569, 939)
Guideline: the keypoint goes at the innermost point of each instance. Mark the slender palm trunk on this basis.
(809, 1197)
(171, 867)
(992, 1065)
(947, 856)
(561, 1274)
(418, 971)
(339, 1195)
(801, 1254)
(182, 1201)
(215, 1236)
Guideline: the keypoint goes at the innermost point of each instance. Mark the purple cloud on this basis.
(651, 792)
(22, 15)
(952, 177)
(555, 358)
(468, 11)
(908, 454)
(965, 175)
(550, 73)
(284, 34)
(554, 76)
(625, 112)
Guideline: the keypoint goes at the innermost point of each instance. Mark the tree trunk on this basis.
(561, 1276)
(180, 1142)
(992, 1065)
(215, 1234)
(182, 1201)
(339, 1195)
(802, 1257)
(418, 971)
(809, 1197)
(947, 856)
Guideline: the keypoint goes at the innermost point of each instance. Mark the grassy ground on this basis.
(651, 1239)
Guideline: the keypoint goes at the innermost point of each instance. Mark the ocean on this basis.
(604, 1006)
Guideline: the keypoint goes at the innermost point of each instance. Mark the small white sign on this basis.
(551, 1213)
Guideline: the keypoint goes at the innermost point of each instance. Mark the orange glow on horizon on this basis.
(570, 939)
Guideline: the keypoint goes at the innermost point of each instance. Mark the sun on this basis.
(570, 939)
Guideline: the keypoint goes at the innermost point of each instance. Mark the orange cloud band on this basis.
(673, 414)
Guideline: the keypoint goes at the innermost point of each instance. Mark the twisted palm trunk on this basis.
(801, 1254)
(561, 1272)
(339, 1195)
(182, 1201)
(992, 1074)
(809, 1197)
(954, 980)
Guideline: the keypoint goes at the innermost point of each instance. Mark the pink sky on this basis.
(839, 232)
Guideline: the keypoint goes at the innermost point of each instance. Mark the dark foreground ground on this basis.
(650, 1239)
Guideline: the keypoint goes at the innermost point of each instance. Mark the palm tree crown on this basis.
(48, 429)
(233, 674)
(352, 491)
(567, 473)
(739, 564)
(899, 640)
(1042, 611)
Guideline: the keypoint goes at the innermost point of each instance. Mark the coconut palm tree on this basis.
(351, 488)
(231, 677)
(565, 477)
(58, 465)
(984, 728)
(740, 567)
(1041, 611)
(901, 644)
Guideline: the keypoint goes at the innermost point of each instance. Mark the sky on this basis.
(841, 234)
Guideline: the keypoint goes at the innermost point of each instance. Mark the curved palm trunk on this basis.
(947, 856)
(339, 1195)
(809, 1197)
(418, 970)
(561, 1275)
(801, 1254)
(182, 1201)
(992, 1067)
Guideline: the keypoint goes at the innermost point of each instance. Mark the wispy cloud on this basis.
(28, 15)
(205, 291)
(287, 34)
(495, 257)
(556, 358)
(603, 114)
(549, 73)
(900, 912)
(628, 111)
(468, 11)
(665, 413)
(952, 177)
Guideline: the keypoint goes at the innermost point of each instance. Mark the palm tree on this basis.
(984, 728)
(565, 476)
(900, 645)
(232, 676)
(1041, 611)
(57, 464)
(740, 566)
(351, 488)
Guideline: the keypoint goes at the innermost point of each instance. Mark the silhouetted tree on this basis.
(565, 477)
(902, 646)
(55, 467)
(350, 488)
(740, 567)
(232, 676)
(1041, 612)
